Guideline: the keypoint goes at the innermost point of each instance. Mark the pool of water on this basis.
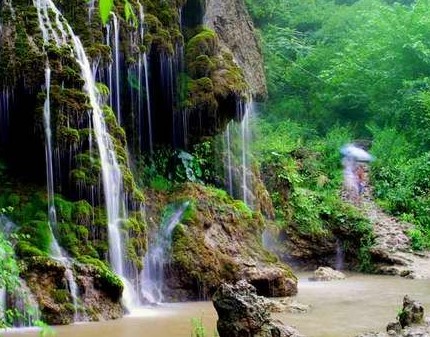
(338, 309)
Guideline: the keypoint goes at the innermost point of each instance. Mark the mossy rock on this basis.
(105, 278)
(204, 43)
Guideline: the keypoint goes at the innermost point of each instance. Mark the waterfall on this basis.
(236, 152)
(228, 164)
(157, 256)
(144, 69)
(5, 99)
(116, 63)
(340, 255)
(91, 9)
(245, 151)
(110, 77)
(52, 217)
(148, 104)
(111, 172)
(56, 251)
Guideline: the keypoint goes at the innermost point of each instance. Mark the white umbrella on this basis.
(357, 153)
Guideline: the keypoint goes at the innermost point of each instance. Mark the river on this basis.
(341, 308)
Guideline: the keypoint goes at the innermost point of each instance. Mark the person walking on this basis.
(360, 179)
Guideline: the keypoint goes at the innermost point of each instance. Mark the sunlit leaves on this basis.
(130, 16)
(105, 8)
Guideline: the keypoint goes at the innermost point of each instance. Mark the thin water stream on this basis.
(339, 309)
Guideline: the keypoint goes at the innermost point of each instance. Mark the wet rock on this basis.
(327, 274)
(286, 305)
(412, 312)
(394, 328)
(242, 313)
(99, 296)
(269, 281)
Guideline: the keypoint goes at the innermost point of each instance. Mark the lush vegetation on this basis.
(342, 71)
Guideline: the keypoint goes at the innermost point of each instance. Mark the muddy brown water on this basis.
(341, 308)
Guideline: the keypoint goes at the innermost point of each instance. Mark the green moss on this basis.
(25, 249)
(82, 212)
(68, 136)
(104, 278)
(38, 233)
(63, 208)
(61, 296)
(204, 43)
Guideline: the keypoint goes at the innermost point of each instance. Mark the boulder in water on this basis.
(412, 312)
(327, 274)
(242, 313)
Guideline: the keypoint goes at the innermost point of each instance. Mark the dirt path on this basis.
(392, 252)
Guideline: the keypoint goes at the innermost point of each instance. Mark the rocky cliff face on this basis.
(231, 21)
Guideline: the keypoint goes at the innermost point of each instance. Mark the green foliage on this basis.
(198, 328)
(418, 240)
(339, 71)
(105, 7)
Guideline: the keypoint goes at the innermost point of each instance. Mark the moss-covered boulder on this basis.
(219, 240)
(98, 289)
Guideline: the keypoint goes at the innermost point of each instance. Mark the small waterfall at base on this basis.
(158, 255)
(110, 169)
(340, 255)
(236, 152)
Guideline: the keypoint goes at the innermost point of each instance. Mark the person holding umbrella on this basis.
(354, 174)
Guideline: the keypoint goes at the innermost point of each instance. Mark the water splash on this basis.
(157, 256)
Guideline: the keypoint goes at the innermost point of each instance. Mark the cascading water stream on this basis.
(236, 140)
(143, 69)
(143, 58)
(56, 251)
(228, 163)
(340, 255)
(111, 172)
(245, 152)
(116, 65)
(157, 256)
(110, 67)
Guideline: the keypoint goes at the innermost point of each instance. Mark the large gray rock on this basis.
(241, 313)
(231, 21)
(327, 274)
